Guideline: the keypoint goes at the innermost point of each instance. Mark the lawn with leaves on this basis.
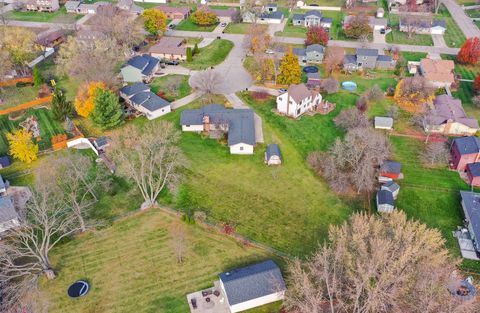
(188, 25)
(396, 36)
(211, 55)
(300, 32)
(59, 16)
(173, 86)
(132, 267)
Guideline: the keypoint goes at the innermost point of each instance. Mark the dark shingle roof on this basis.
(471, 206)
(467, 145)
(385, 197)
(271, 5)
(155, 102)
(391, 167)
(299, 51)
(273, 150)
(2, 182)
(384, 58)
(252, 282)
(315, 47)
(241, 125)
(140, 97)
(390, 186)
(314, 13)
(5, 161)
(297, 17)
(278, 15)
(440, 23)
(133, 89)
(350, 59)
(7, 210)
(367, 52)
(145, 63)
(474, 169)
(327, 20)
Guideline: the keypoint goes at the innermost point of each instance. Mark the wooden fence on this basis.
(13, 82)
(26, 105)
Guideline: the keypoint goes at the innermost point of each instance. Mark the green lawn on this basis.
(211, 55)
(66, 83)
(162, 84)
(336, 31)
(453, 36)
(473, 13)
(239, 28)
(190, 26)
(413, 56)
(48, 128)
(60, 16)
(12, 96)
(396, 36)
(465, 90)
(131, 266)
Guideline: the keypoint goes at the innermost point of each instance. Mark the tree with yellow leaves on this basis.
(414, 93)
(22, 146)
(290, 71)
(85, 100)
(155, 21)
(203, 17)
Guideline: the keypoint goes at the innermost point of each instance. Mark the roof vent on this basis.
(227, 274)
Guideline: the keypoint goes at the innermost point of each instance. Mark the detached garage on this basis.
(253, 286)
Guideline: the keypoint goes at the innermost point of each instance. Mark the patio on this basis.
(465, 243)
(211, 300)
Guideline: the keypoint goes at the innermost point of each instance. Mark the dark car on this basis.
(172, 62)
(382, 31)
(171, 26)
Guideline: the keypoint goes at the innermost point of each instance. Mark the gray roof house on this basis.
(311, 54)
(383, 122)
(142, 99)
(273, 156)
(393, 187)
(139, 68)
(271, 7)
(367, 59)
(385, 201)
(422, 26)
(253, 286)
(374, 22)
(8, 215)
(312, 18)
(471, 210)
(237, 123)
(271, 17)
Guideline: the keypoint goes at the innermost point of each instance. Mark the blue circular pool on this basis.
(349, 85)
(310, 69)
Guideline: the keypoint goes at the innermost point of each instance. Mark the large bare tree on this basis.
(333, 58)
(257, 39)
(376, 264)
(207, 81)
(151, 158)
(435, 153)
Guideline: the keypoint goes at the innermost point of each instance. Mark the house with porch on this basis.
(367, 59)
(464, 150)
(140, 97)
(139, 68)
(440, 73)
(215, 119)
(297, 100)
(449, 118)
(312, 18)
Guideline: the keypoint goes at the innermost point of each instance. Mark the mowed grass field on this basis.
(453, 36)
(188, 25)
(48, 128)
(211, 55)
(60, 16)
(396, 36)
(160, 84)
(132, 266)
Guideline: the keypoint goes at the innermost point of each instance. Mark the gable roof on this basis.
(315, 47)
(382, 121)
(385, 197)
(2, 183)
(384, 58)
(133, 89)
(391, 186)
(278, 15)
(252, 282)
(327, 20)
(7, 210)
(447, 109)
(241, 125)
(145, 63)
(367, 52)
(467, 145)
(232, 12)
(471, 208)
(474, 169)
(298, 17)
(168, 9)
(439, 23)
(149, 101)
(300, 92)
(350, 59)
(273, 150)
(299, 51)
(438, 70)
(314, 13)
(169, 45)
(391, 167)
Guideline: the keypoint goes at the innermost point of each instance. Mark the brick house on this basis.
(464, 150)
(473, 174)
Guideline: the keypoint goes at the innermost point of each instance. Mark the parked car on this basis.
(382, 31)
(269, 51)
(171, 26)
(223, 24)
(172, 62)
(282, 90)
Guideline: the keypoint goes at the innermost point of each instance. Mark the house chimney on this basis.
(206, 123)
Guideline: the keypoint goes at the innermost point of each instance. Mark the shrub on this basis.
(189, 54)
(260, 95)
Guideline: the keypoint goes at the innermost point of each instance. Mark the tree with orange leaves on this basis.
(470, 51)
(85, 100)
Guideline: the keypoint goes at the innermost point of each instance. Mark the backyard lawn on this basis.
(60, 16)
(48, 128)
(210, 55)
(188, 25)
(465, 90)
(12, 96)
(174, 86)
(132, 267)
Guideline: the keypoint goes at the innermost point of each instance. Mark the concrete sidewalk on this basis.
(185, 100)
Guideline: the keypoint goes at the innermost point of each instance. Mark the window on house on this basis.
(187, 125)
(298, 111)
(241, 148)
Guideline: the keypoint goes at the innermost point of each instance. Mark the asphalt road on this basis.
(463, 21)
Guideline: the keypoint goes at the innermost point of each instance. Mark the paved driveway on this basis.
(439, 41)
(378, 37)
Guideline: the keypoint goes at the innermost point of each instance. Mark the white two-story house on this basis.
(297, 100)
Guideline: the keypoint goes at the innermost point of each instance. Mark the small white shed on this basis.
(383, 122)
(273, 155)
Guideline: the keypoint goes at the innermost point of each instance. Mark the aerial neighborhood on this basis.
(257, 156)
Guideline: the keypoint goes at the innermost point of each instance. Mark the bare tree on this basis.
(375, 93)
(257, 39)
(179, 242)
(329, 85)
(413, 22)
(207, 81)
(435, 153)
(425, 120)
(21, 294)
(382, 264)
(351, 118)
(151, 158)
(333, 58)
(78, 178)
(45, 223)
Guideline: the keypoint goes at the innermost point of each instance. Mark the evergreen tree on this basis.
(108, 111)
(189, 54)
(290, 71)
(37, 76)
(196, 50)
(61, 108)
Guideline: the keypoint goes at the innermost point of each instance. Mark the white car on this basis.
(269, 51)
(223, 24)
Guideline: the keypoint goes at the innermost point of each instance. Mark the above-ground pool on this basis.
(310, 69)
(78, 289)
(349, 85)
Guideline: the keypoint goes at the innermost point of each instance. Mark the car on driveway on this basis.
(223, 24)
(269, 51)
(282, 90)
(171, 26)
(171, 62)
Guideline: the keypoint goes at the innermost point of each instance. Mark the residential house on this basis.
(273, 155)
(175, 13)
(471, 210)
(464, 150)
(312, 18)
(51, 39)
(238, 124)
(139, 68)
(381, 122)
(395, 5)
(473, 173)
(367, 59)
(374, 22)
(265, 17)
(392, 187)
(449, 118)
(391, 170)
(226, 16)
(5, 162)
(310, 54)
(271, 7)
(42, 5)
(419, 25)
(297, 100)
(440, 73)
(71, 6)
(140, 97)
(313, 80)
(90, 8)
(252, 286)
(130, 6)
(171, 48)
(385, 201)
